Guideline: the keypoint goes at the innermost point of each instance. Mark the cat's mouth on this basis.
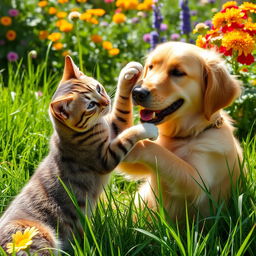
(156, 116)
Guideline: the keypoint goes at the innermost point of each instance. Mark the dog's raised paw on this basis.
(151, 131)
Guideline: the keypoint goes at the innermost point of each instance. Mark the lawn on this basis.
(117, 227)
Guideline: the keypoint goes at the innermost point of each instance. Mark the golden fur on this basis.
(196, 147)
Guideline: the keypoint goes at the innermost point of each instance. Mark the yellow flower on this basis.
(85, 16)
(81, 1)
(6, 21)
(250, 26)
(246, 6)
(60, 22)
(61, 15)
(229, 4)
(253, 82)
(119, 18)
(231, 15)
(96, 12)
(54, 36)
(62, 1)
(65, 53)
(93, 21)
(96, 38)
(113, 51)
(52, 10)
(107, 45)
(239, 41)
(42, 3)
(21, 241)
(127, 4)
(66, 27)
(201, 41)
(10, 35)
(200, 28)
(43, 34)
(145, 6)
(57, 46)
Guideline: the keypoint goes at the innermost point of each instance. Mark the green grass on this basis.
(112, 230)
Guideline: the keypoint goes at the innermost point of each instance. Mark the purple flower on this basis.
(12, 56)
(2, 42)
(135, 20)
(163, 27)
(185, 17)
(193, 12)
(154, 39)
(211, 1)
(163, 39)
(157, 17)
(13, 12)
(104, 24)
(146, 38)
(175, 37)
(208, 23)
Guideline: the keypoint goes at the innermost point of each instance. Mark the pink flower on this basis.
(146, 38)
(13, 12)
(12, 56)
(109, 1)
(163, 27)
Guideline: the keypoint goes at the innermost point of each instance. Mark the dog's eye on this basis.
(177, 72)
(150, 67)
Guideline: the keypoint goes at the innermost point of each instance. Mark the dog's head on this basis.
(181, 79)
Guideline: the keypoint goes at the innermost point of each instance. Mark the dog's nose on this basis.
(140, 94)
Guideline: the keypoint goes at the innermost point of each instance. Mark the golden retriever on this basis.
(183, 91)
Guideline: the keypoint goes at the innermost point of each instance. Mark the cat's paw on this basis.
(129, 74)
(151, 131)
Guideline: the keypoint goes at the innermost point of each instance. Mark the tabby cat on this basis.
(87, 144)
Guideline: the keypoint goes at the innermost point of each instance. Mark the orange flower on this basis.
(42, 3)
(85, 16)
(43, 34)
(57, 46)
(96, 12)
(145, 6)
(201, 41)
(6, 21)
(127, 5)
(61, 15)
(54, 36)
(119, 18)
(62, 1)
(65, 53)
(246, 6)
(81, 1)
(52, 10)
(10, 35)
(107, 45)
(114, 51)
(229, 4)
(96, 38)
(60, 22)
(94, 21)
(66, 27)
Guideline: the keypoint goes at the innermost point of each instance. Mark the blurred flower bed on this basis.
(103, 35)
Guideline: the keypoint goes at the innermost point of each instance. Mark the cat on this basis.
(88, 142)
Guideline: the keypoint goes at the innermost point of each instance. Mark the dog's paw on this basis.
(130, 74)
(149, 131)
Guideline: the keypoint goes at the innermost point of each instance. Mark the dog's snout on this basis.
(140, 94)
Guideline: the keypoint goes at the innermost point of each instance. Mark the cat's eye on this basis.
(98, 89)
(150, 67)
(91, 105)
(176, 72)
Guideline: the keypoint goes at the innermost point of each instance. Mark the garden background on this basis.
(102, 36)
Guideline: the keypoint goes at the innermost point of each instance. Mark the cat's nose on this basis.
(104, 102)
(140, 94)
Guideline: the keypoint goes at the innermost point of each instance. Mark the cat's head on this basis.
(79, 100)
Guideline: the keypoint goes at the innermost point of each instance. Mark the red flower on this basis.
(231, 6)
(246, 60)
(233, 26)
(224, 50)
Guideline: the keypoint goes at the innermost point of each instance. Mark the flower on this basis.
(62, 1)
(146, 37)
(154, 39)
(12, 56)
(6, 21)
(239, 41)
(66, 27)
(246, 60)
(246, 6)
(60, 22)
(201, 41)
(85, 16)
(145, 6)
(200, 28)
(96, 12)
(13, 12)
(119, 18)
(127, 4)
(96, 38)
(74, 15)
(21, 241)
(109, 1)
(81, 1)
(114, 51)
(32, 54)
(54, 36)
(104, 24)
(175, 37)
(185, 17)
(57, 46)
(65, 53)
(135, 20)
(61, 15)
(52, 10)
(10, 35)
(107, 45)
(229, 4)
(42, 3)
(163, 27)
(157, 17)
(43, 34)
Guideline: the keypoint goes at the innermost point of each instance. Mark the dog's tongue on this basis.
(146, 114)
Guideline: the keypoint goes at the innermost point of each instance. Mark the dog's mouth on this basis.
(156, 116)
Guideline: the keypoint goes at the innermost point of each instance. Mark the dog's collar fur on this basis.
(217, 125)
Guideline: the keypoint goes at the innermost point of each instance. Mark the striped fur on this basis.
(88, 142)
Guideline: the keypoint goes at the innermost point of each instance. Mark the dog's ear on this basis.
(70, 70)
(220, 88)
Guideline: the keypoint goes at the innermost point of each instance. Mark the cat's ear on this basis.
(59, 107)
(70, 70)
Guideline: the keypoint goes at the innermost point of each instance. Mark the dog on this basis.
(183, 91)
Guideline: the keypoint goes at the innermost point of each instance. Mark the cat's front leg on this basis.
(121, 115)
